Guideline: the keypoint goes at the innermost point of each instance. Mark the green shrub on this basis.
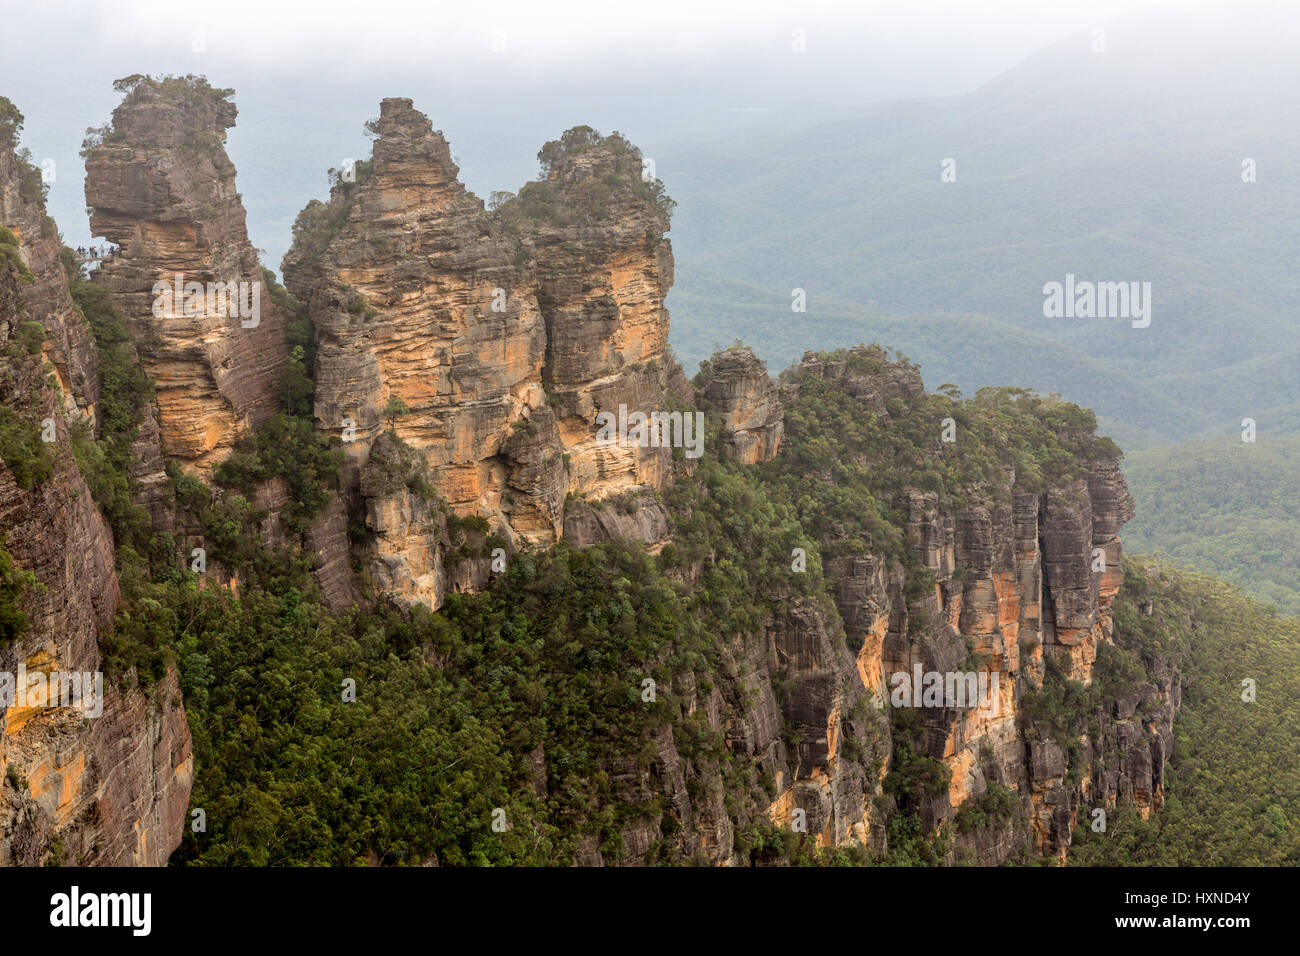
(26, 455)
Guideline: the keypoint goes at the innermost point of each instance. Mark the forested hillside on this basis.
(1233, 793)
(1227, 507)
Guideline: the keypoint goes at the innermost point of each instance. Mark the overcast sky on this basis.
(500, 78)
(951, 42)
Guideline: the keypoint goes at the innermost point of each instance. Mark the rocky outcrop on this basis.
(1010, 583)
(636, 516)
(823, 705)
(111, 791)
(407, 525)
(486, 342)
(595, 231)
(160, 185)
(106, 789)
(417, 301)
(69, 346)
(737, 386)
(466, 359)
(867, 374)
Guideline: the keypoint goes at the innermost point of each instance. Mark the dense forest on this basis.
(1233, 797)
(1246, 526)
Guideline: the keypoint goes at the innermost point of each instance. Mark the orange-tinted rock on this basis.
(1018, 580)
(106, 789)
(487, 342)
(161, 187)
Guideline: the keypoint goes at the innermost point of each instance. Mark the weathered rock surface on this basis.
(487, 342)
(69, 345)
(1016, 581)
(737, 386)
(402, 296)
(408, 527)
(637, 516)
(160, 185)
(111, 789)
(596, 234)
(1006, 585)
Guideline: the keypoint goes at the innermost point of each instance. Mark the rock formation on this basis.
(595, 232)
(1015, 581)
(488, 342)
(737, 385)
(69, 345)
(160, 185)
(110, 789)
(466, 358)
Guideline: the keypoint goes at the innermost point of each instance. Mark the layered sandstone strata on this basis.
(417, 301)
(738, 387)
(160, 186)
(487, 342)
(595, 229)
(109, 789)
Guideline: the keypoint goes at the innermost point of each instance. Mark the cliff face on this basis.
(69, 345)
(109, 789)
(596, 234)
(160, 186)
(1009, 578)
(1010, 583)
(488, 343)
(417, 301)
(738, 387)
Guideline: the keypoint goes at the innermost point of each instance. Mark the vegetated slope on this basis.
(1226, 507)
(1233, 795)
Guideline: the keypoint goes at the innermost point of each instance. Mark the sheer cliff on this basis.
(487, 341)
(111, 788)
(160, 186)
(69, 345)
(970, 551)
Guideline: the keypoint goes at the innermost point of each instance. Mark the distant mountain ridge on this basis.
(1118, 166)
